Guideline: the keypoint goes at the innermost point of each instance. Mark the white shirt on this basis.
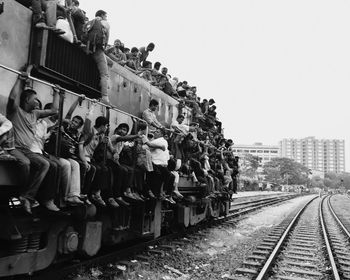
(159, 156)
(185, 129)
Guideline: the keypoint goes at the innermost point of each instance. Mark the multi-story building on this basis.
(325, 155)
(264, 152)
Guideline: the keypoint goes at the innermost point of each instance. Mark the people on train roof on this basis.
(144, 52)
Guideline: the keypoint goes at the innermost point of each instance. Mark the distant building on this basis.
(264, 152)
(324, 155)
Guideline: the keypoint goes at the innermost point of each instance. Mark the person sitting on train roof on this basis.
(24, 117)
(166, 87)
(133, 60)
(91, 137)
(144, 52)
(204, 106)
(150, 117)
(229, 144)
(164, 72)
(174, 82)
(115, 53)
(156, 73)
(122, 170)
(50, 8)
(160, 176)
(181, 90)
(147, 74)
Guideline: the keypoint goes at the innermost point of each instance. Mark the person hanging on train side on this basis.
(161, 176)
(24, 114)
(122, 164)
(143, 161)
(70, 177)
(5, 127)
(72, 128)
(149, 115)
(59, 172)
(91, 137)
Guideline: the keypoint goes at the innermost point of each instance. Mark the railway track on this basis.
(155, 247)
(311, 243)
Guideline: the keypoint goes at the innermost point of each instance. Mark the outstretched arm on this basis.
(88, 123)
(13, 102)
(73, 106)
(54, 108)
(126, 138)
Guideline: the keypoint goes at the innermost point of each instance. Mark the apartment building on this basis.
(325, 155)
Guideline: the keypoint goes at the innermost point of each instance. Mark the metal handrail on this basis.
(73, 93)
(82, 96)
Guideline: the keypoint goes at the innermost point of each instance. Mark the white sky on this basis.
(276, 69)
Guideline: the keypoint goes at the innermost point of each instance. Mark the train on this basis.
(29, 244)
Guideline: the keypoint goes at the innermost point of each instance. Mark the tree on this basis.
(286, 171)
(317, 182)
(249, 166)
(334, 180)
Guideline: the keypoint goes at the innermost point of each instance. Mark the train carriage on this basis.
(32, 243)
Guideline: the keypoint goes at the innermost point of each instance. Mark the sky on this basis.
(276, 69)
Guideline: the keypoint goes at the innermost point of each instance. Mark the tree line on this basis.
(285, 171)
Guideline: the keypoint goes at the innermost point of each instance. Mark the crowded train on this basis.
(97, 147)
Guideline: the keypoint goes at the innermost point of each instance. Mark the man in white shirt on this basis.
(161, 174)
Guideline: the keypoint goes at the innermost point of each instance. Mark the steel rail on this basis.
(72, 93)
(337, 219)
(328, 245)
(263, 272)
(233, 213)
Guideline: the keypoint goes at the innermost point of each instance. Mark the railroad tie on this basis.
(142, 258)
(301, 264)
(300, 271)
(156, 252)
(290, 278)
(256, 257)
(243, 270)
